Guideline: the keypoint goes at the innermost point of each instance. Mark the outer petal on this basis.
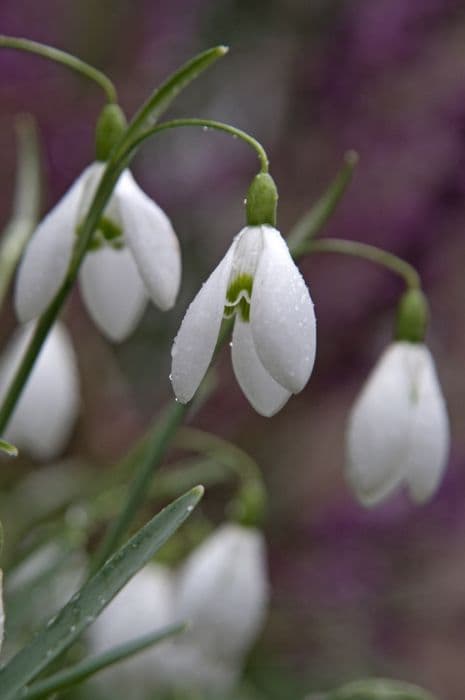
(429, 438)
(266, 396)
(195, 342)
(113, 291)
(48, 407)
(45, 262)
(379, 428)
(282, 315)
(151, 238)
(223, 590)
(144, 605)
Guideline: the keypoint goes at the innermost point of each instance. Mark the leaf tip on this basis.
(198, 491)
(8, 449)
(222, 50)
(351, 158)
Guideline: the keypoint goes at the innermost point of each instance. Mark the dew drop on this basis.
(176, 399)
(170, 377)
(230, 343)
(204, 128)
(190, 509)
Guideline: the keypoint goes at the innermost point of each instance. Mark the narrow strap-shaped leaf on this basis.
(61, 631)
(89, 667)
(379, 689)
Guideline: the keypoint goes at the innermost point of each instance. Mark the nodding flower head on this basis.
(274, 336)
(398, 429)
(133, 256)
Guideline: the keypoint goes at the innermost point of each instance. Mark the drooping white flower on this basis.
(398, 429)
(223, 591)
(274, 337)
(135, 255)
(144, 605)
(47, 409)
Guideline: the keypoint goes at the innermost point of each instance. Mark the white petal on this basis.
(265, 395)
(379, 428)
(113, 291)
(45, 262)
(429, 438)
(47, 409)
(152, 240)
(223, 589)
(144, 605)
(195, 342)
(282, 315)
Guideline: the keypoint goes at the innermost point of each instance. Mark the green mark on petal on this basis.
(107, 233)
(238, 297)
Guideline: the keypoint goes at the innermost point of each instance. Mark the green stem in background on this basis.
(311, 223)
(207, 124)
(66, 59)
(366, 252)
(155, 105)
(26, 202)
(164, 431)
(89, 667)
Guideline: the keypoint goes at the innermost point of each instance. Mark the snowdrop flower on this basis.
(134, 255)
(274, 336)
(223, 591)
(144, 605)
(398, 430)
(47, 409)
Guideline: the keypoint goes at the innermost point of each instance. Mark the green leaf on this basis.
(379, 689)
(311, 223)
(8, 448)
(60, 632)
(89, 667)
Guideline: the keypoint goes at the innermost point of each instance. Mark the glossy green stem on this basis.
(66, 59)
(366, 252)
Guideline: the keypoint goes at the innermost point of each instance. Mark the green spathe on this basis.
(110, 128)
(262, 200)
(412, 316)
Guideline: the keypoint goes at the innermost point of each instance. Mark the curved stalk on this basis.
(365, 251)
(65, 59)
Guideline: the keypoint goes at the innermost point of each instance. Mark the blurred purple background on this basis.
(355, 592)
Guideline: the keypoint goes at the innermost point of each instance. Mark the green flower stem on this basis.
(89, 667)
(311, 223)
(207, 124)
(26, 202)
(66, 59)
(120, 159)
(365, 252)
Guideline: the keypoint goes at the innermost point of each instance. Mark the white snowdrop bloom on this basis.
(398, 430)
(274, 337)
(144, 605)
(134, 255)
(47, 409)
(223, 592)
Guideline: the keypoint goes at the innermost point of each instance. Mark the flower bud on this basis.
(412, 316)
(262, 200)
(223, 591)
(111, 126)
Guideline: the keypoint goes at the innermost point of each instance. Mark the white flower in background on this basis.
(223, 591)
(398, 430)
(134, 255)
(274, 337)
(144, 605)
(47, 409)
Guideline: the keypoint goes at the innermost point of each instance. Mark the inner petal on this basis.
(246, 256)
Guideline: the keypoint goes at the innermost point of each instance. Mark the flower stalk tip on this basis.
(262, 201)
(111, 126)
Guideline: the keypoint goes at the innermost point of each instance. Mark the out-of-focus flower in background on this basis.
(134, 255)
(274, 337)
(398, 429)
(49, 405)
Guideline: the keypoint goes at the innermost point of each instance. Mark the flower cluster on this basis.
(221, 591)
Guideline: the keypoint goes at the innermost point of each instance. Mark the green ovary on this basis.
(238, 297)
(107, 233)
